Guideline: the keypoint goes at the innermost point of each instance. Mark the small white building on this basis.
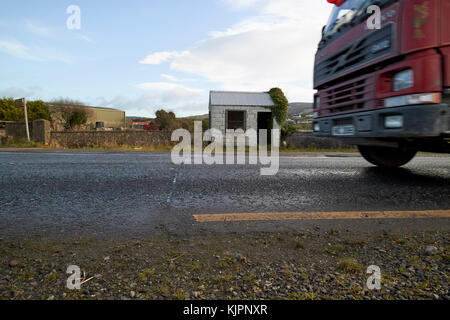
(240, 110)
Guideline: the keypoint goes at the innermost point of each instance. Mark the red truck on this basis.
(386, 90)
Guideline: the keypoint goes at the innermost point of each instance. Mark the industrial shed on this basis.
(240, 110)
(110, 118)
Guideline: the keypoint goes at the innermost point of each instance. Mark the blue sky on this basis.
(141, 56)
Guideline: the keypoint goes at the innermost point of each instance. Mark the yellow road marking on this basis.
(279, 216)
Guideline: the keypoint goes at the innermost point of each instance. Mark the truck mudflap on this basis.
(416, 121)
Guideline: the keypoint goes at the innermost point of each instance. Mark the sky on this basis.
(144, 55)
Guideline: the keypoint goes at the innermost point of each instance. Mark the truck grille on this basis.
(349, 96)
(361, 52)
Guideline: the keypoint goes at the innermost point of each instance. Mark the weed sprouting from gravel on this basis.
(299, 244)
(335, 249)
(349, 265)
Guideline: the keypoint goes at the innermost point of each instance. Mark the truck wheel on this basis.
(386, 157)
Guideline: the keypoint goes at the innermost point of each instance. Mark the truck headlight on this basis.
(403, 80)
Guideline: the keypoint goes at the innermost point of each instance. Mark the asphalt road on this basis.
(141, 194)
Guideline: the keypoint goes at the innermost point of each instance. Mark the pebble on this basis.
(132, 294)
(241, 258)
(15, 263)
(430, 250)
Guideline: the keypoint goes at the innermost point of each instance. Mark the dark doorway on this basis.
(265, 122)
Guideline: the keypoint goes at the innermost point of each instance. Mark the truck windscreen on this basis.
(343, 14)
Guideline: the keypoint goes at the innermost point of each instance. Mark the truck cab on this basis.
(385, 89)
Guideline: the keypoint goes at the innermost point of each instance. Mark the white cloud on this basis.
(274, 48)
(17, 49)
(85, 38)
(172, 93)
(176, 79)
(37, 29)
(242, 3)
(160, 57)
(168, 86)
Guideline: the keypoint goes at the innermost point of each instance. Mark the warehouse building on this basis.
(97, 116)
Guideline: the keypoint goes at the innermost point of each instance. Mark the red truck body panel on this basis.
(427, 67)
(445, 40)
(420, 25)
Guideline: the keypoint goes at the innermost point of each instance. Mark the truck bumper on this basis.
(418, 121)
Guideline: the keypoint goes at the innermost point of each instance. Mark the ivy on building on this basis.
(279, 110)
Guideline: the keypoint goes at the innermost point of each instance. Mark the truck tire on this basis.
(386, 157)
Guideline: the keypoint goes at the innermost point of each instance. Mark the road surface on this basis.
(142, 194)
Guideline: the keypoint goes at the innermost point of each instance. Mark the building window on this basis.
(236, 120)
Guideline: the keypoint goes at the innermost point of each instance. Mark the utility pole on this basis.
(23, 103)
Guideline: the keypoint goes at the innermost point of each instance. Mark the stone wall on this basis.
(41, 131)
(308, 140)
(17, 130)
(81, 139)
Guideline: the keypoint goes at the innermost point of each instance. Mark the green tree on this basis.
(287, 130)
(37, 110)
(75, 120)
(9, 112)
(165, 120)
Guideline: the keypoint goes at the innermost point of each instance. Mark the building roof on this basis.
(235, 98)
(68, 105)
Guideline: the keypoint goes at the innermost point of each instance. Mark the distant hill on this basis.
(300, 107)
(200, 117)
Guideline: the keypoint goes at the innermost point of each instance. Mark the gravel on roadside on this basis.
(306, 265)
